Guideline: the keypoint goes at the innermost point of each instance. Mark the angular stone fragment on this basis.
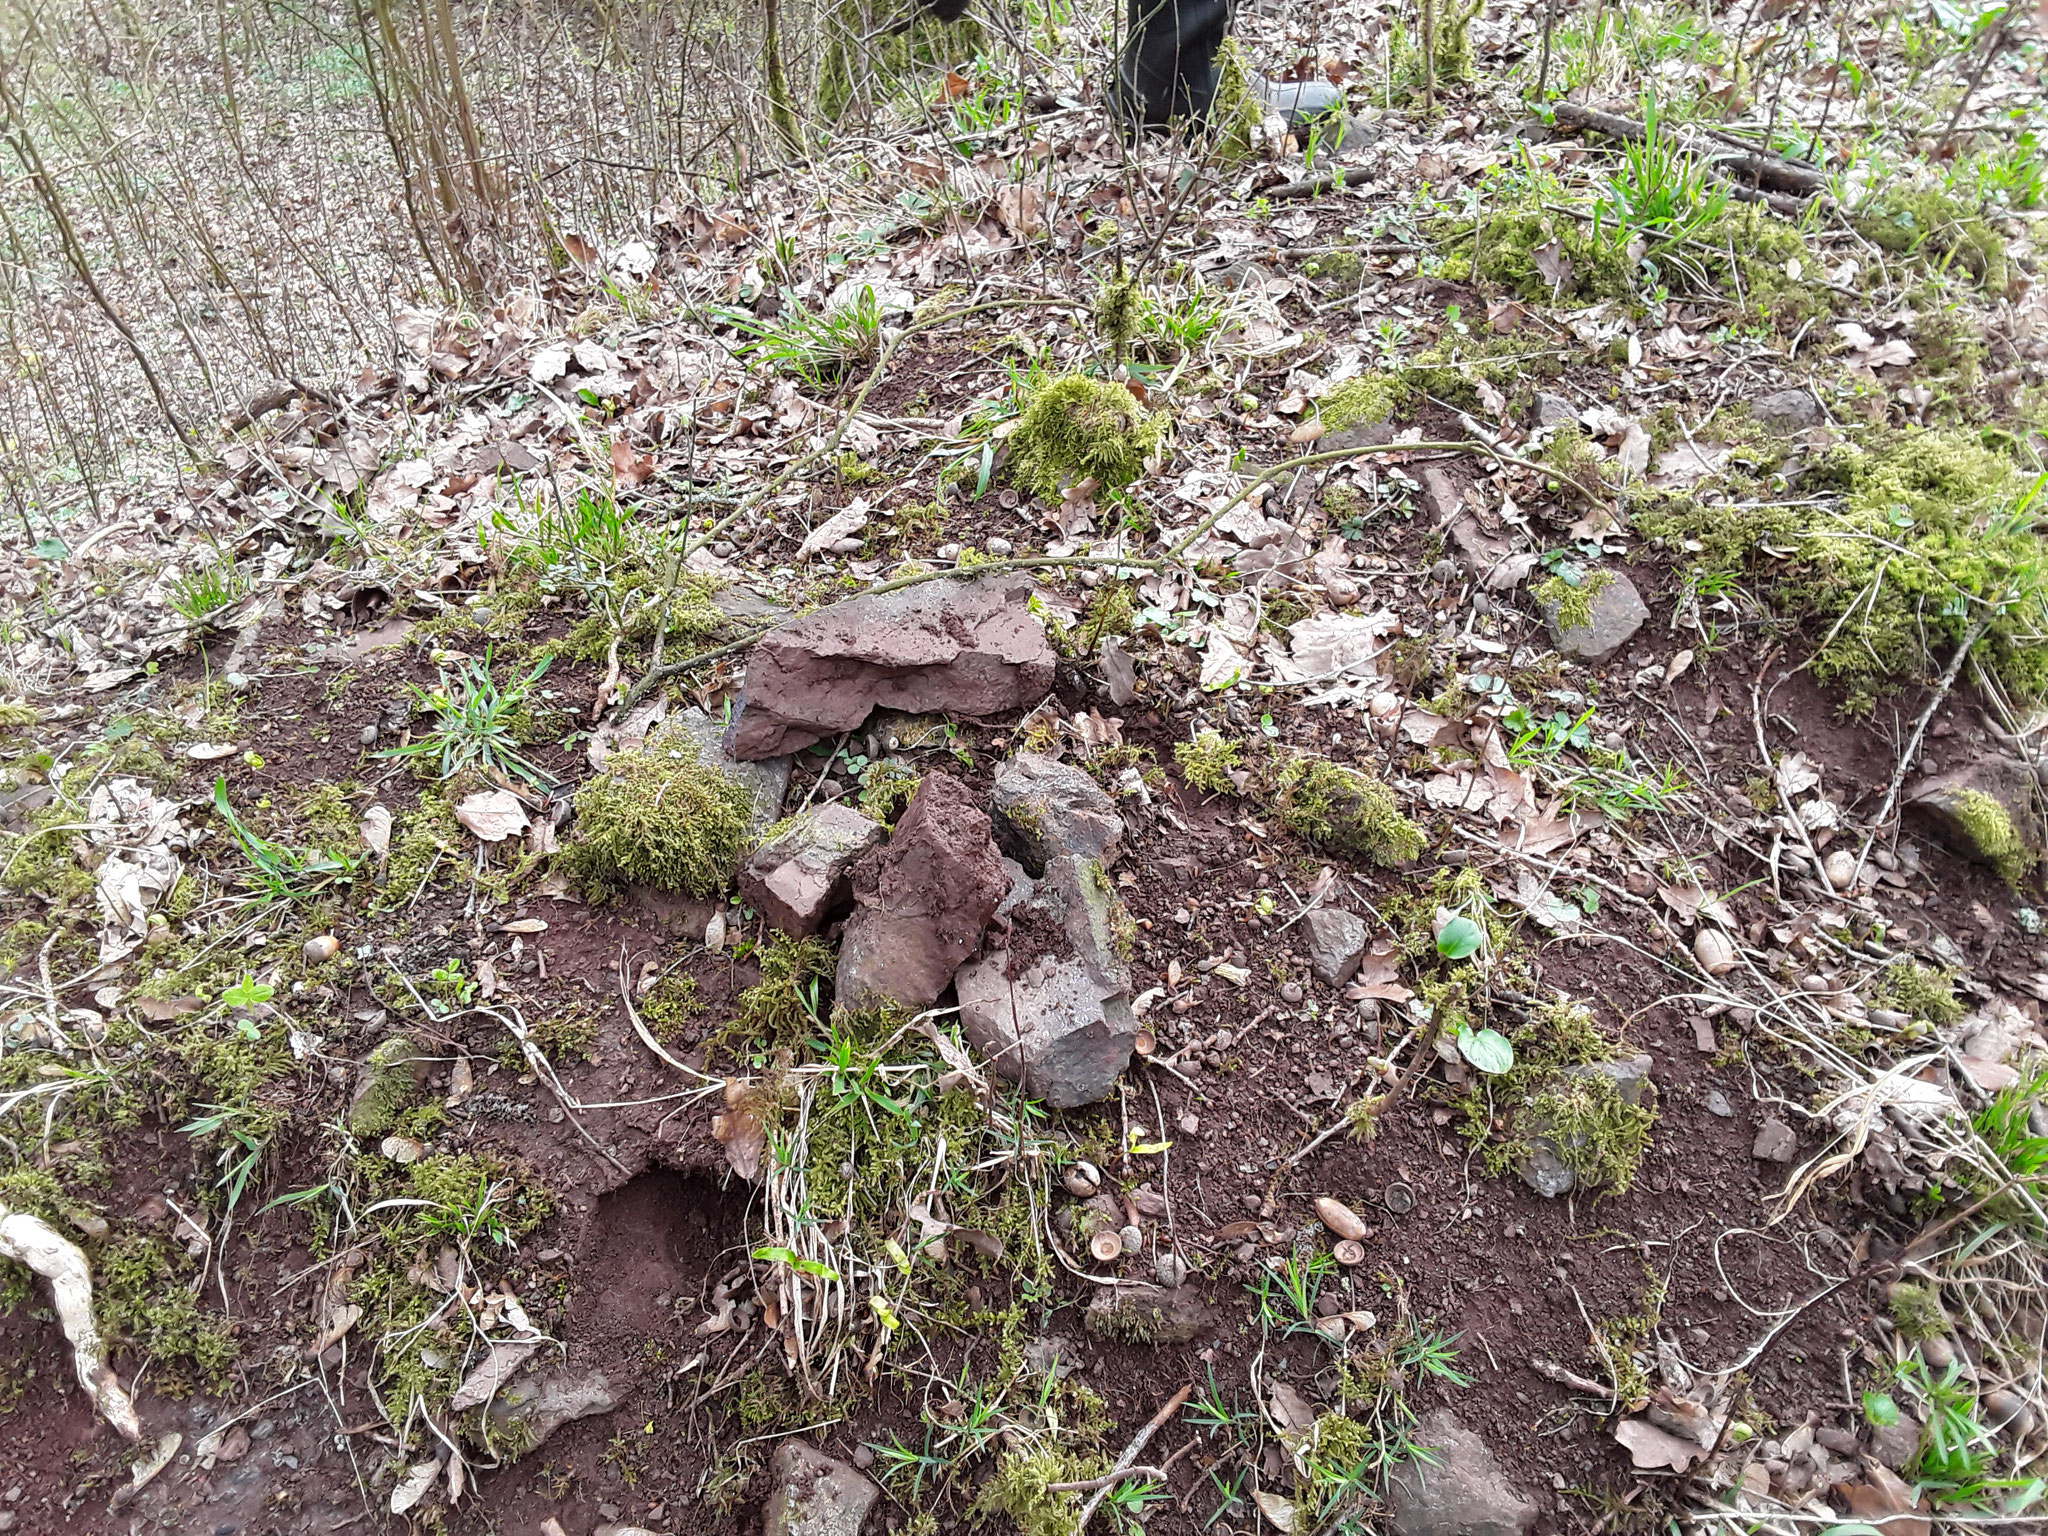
(1786, 409)
(963, 648)
(1459, 1490)
(527, 1411)
(1060, 1024)
(1336, 944)
(1776, 1142)
(1052, 808)
(921, 900)
(801, 878)
(1146, 1314)
(1988, 810)
(812, 1494)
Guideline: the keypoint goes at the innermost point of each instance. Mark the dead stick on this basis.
(1564, 1378)
(1314, 186)
(1906, 758)
(1130, 1455)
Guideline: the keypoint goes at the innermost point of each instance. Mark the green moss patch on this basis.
(1934, 227)
(1365, 401)
(1932, 529)
(1206, 762)
(1076, 428)
(658, 817)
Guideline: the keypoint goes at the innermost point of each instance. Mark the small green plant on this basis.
(820, 349)
(1206, 762)
(1661, 190)
(475, 723)
(1916, 1311)
(592, 530)
(278, 873)
(207, 591)
(246, 1135)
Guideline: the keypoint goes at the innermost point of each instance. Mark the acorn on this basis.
(320, 950)
(1715, 951)
(1082, 1180)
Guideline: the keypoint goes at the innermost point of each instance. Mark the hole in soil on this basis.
(650, 1243)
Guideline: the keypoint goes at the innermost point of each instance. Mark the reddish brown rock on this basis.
(963, 648)
(921, 901)
(801, 878)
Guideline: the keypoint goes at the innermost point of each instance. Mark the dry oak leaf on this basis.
(493, 815)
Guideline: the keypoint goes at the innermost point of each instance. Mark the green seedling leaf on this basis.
(247, 992)
(1460, 937)
(1879, 1408)
(1487, 1049)
(51, 549)
(801, 1266)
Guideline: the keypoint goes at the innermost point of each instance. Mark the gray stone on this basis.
(1146, 1314)
(1544, 1172)
(766, 779)
(1053, 808)
(387, 1080)
(1718, 1105)
(1786, 409)
(1022, 889)
(525, 1413)
(1894, 1444)
(1988, 810)
(812, 1494)
(1490, 559)
(971, 649)
(1554, 411)
(801, 878)
(1776, 1142)
(1336, 943)
(921, 900)
(1061, 1026)
(1464, 1493)
(1616, 610)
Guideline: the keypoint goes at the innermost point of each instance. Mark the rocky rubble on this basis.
(800, 878)
(812, 1494)
(921, 900)
(1058, 1020)
(970, 649)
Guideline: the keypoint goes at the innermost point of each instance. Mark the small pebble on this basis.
(1244, 1253)
(947, 552)
(1812, 983)
(863, 1457)
(1444, 572)
(1717, 1104)
(1290, 993)
(1251, 1200)
(1170, 1270)
(1001, 547)
(369, 735)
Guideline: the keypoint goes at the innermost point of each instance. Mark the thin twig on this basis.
(1130, 1455)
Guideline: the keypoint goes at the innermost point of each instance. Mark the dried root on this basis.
(30, 1240)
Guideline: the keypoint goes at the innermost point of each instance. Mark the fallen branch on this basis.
(1765, 171)
(1130, 1456)
(1315, 186)
(32, 1241)
(1564, 1378)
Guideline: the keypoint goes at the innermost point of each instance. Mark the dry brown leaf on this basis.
(1651, 1448)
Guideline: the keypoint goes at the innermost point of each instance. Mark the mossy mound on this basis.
(1344, 810)
(1932, 531)
(1504, 249)
(1934, 227)
(1206, 762)
(1237, 111)
(1075, 428)
(658, 817)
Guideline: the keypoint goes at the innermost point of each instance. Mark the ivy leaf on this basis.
(1459, 937)
(1487, 1049)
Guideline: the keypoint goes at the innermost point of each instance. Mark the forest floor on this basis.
(1624, 599)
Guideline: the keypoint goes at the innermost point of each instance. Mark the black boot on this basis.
(1167, 71)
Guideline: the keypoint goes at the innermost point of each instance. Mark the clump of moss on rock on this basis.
(1345, 810)
(1570, 604)
(658, 817)
(1076, 428)
(1365, 401)
(1989, 830)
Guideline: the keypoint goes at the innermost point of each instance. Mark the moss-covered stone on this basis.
(387, 1083)
(1933, 226)
(1238, 110)
(1365, 401)
(1345, 810)
(658, 817)
(1075, 428)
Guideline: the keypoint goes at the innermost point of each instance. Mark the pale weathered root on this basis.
(30, 1240)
